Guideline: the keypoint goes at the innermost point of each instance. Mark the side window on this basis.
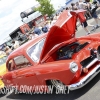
(18, 62)
(21, 62)
(11, 65)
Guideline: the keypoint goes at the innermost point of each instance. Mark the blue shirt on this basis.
(37, 31)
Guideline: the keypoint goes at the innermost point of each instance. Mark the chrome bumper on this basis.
(85, 80)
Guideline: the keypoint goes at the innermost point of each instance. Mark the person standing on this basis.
(29, 36)
(37, 30)
(84, 23)
(15, 44)
(94, 7)
(44, 29)
(7, 50)
(73, 6)
(53, 21)
(33, 35)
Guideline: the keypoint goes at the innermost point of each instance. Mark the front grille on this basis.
(87, 61)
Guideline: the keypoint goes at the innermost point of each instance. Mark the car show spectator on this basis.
(94, 7)
(15, 44)
(33, 35)
(56, 16)
(73, 6)
(82, 5)
(44, 29)
(85, 24)
(52, 22)
(29, 37)
(88, 9)
(67, 8)
(37, 30)
(48, 24)
(8, 50)
(77, 5)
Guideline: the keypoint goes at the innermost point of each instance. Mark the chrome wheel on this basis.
(57, 84)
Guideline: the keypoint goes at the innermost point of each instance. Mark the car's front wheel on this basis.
(58, 86)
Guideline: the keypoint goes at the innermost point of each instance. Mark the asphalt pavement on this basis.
(89, 92)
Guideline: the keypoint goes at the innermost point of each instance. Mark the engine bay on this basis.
(66, 52)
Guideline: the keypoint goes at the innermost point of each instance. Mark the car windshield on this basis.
(3, 60)
(35, 51)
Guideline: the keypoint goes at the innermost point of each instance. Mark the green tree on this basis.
(45, 7)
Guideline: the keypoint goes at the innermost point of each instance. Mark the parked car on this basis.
(3, 69)
(56, 58)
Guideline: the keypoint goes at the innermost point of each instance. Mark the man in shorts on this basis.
(94, 7)
(84, 23)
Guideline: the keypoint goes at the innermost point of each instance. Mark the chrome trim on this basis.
(91, 63)
(85, 80)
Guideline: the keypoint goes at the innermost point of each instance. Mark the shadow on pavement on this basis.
(2, 95)
(71, 96)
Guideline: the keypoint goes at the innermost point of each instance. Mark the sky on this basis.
(10, 14)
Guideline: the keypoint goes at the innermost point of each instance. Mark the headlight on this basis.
(73, 67)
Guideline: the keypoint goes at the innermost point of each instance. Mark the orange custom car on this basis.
(56, 58)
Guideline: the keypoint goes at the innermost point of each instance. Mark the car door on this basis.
(24, 73)
(26, 76)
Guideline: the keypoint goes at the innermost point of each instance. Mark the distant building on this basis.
(32, 17)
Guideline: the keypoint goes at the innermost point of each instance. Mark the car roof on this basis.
(22, 49)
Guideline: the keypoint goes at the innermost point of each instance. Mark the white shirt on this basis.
(34, 36)
(82, 5)
(16, 45)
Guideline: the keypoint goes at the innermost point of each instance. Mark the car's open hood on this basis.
(63, 30)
